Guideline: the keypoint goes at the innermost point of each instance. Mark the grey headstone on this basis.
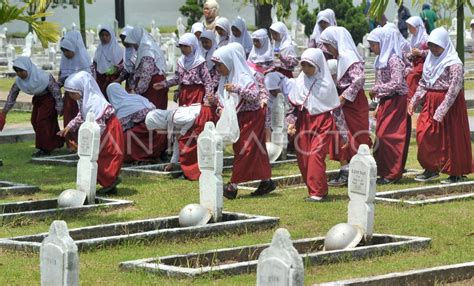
(362, 187)
(280, 264)
(59, 259)
(210, 161)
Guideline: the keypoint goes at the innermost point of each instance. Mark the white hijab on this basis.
(435, 66)
(125, 103)
(197, 27)
(110, 54)
(245, 40)
(91, 97)
(404, 44)
(389, 45)
(195, 58)
(318, 93)
(147, 47)
(239, 71)
(37, 80)
(130, 52)
(265, 53)
(285, 44)
(341, 39)
(224, 24)
(326, 15)
(420, 37)
(81, 61)
(207, 54)
(276, 80)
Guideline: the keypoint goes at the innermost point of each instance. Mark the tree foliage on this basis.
(192, 9)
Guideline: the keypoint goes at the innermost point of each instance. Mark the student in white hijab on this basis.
(208, 47)
(130, 57)
(325, 18)
(417, 28)
(238, 84)
(261, 55)
(83, 88)
(241, 35)
(284, 49)
(404, 44)
(442, 130)
(315, 98)
(393, 125)
(223, 31)
(350, 83)
(47, 104)
(132, 109)
(197, 29)
(108, 58)
(150, 67)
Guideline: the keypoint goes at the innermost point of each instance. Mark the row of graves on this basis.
(280, 262)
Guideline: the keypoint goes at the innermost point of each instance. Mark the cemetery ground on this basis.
(450, 225)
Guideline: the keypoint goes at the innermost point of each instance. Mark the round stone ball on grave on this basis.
(71, 198)
(273, 151)
(194, 214)
(342, 236)
(47, 67)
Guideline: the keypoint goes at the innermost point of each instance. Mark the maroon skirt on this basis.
(190, 94)
(312, 145)
(111, 152)
(251, 160)
(104, 80)
(70, 112)
(444, 146)
(158, 97)
(391, 131)
(285, 72)
(414, 76)
(44, 119)
(357, 119)
(142, 144)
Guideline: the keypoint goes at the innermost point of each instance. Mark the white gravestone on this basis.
(59, 258)
(28, 45)
(180, 27)
(280, 264)
(88, 151)
(156, 35)
(210, 161)
(73, 26)
(10, 56)
(362, 187)
(63, 32)
(278, 122)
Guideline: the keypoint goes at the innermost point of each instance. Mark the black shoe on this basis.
(454, 179)
(112, 189)
(41, 153)
(373, 105)
(427, 176)
(264, 188)
(230, 192)
(385, 181)
(341, 179)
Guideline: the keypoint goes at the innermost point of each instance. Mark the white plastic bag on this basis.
(228, 125)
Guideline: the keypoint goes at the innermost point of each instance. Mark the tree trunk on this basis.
(82, 20)
(120, 13)
(460, 30)
(263, 15)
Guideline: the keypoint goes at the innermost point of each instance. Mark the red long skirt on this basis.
(444, 146)
(188, 95)
(285, 72)
(44, 119)
(111, 153)
(70, 112)
(142, 144)
(357, 119)
(391, 132)
(414, 76)
(158, 97)
(104, 80)
(250, 152)
(312, 145)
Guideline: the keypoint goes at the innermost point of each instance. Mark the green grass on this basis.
(18, 117)
(6, 84)
(469, 84)
(470, 112)
(450, 225)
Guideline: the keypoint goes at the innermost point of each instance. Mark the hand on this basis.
(63, 132)
(342, 100)
(169, 167)
(159, 85)
(410, 109)
(372, 94)
(229, 87)
(415, 52)
(291, 129)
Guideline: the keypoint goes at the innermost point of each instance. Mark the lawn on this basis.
(450, 225)
(18, 117)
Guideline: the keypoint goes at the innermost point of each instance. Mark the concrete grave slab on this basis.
(14, 189)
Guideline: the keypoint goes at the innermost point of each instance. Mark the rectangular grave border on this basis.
(297, 179)
(394, 196)
(90, 240)
(8, 188)
(153, 265)
(101, 203)
(57, 160)
(427, 276)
